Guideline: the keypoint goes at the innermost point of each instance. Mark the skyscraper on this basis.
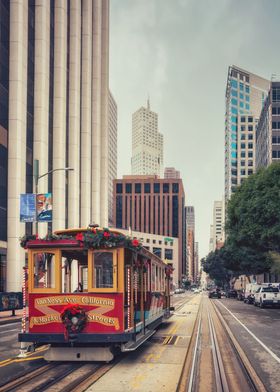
(268, 129)
(217, 230)
(190, 224)
(54, 87)
(245, 96)
(147, 143)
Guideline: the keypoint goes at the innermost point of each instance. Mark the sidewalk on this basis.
(7, 318)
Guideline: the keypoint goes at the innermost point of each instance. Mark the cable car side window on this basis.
(103, 271)
(44, 271)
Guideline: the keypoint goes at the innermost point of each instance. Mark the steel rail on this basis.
(249, 372)
(220, 376)
(191, 386)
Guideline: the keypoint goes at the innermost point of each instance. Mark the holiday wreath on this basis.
(74, 319)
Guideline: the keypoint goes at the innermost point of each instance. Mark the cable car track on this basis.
(226, 365)
(66, 377)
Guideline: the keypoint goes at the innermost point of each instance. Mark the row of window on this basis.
(234, 83)
(234, 101)
(159, 241)
(276, 154)
(138, 187)
(276, 110)
(168, 253)
(275, 124)
(275, 139)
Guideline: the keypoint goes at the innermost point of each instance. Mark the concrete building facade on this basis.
(54, 86)
(152, 205)
(217, 229)
(190, 224)
(113, 152)
(166, 248)
(171, 172)
(245, 96)
(268, 129)
(147, 143)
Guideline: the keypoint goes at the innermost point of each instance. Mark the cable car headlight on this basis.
(74, 320)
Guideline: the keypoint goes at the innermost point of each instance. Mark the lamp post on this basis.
(37, 178)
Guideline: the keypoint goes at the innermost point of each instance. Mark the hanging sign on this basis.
(28, 207)
(44, 207)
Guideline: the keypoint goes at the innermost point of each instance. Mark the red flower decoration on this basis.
(106, 234)
(93, 230)
(79, 237)
(135, 242)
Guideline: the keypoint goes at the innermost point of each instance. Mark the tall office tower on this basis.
(245, 96)
(54, 109)
(147, 143)
(196, 263)
(217, 229)
(190, 224)
(171, 172)
(152, 205)
(113, 152)
(268, 129)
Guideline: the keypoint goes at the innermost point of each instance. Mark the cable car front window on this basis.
(103, 270)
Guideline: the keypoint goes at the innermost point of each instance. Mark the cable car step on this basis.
(131, 346)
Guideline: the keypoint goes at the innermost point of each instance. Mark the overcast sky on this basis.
(178, 53)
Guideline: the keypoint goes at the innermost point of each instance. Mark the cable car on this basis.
(92, 292)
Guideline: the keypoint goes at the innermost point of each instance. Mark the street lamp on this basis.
(37, 178)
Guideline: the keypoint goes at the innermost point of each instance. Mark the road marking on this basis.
(253, 335)
(9, 361)
(9, 330)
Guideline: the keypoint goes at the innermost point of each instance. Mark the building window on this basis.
(175, 187)
(165, 188)
(119, 188)
(128, 188)
(250, 128)
(233, 83)
(147, 188)
(157, 252)
(168, 254)
(243, 172)
(250, 171)
(156, 187)
(119, 211)
(243, 119)
(274, 154)
(276, 94)
(137, 188)
(250, 145)
(250, 119)
(243, 145)
(234, 101)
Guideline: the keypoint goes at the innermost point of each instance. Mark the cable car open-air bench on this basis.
(92, 292)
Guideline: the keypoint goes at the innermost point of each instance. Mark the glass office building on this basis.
(245, 96)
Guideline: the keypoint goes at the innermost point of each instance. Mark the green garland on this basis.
(89, 239)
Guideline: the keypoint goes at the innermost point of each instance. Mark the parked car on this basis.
(179, 291)
(214, 294)
(231, 294)
(267, 296)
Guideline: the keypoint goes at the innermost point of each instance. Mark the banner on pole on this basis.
(44, 207)
(27, 207)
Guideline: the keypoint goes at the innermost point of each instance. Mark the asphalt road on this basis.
(258, 333)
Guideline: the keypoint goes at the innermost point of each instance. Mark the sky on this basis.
(178, 52)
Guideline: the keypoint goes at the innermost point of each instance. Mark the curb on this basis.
(10, 321)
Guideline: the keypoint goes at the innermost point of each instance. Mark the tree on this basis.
(214, 265)
(253, 213)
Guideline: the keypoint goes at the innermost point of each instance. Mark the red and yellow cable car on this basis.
(93, 292)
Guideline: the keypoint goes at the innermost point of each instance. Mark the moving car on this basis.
(214, 294)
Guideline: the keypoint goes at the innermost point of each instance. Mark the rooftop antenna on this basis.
(148, 102)
(273, 76)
